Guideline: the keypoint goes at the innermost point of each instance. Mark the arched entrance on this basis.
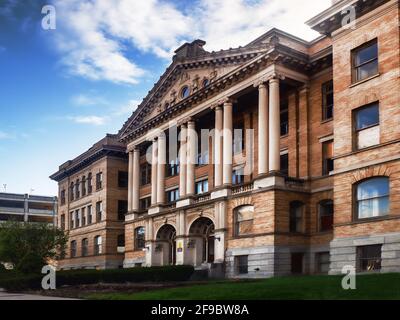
(202, 231)
(166, 244)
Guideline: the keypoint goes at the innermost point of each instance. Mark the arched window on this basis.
(244, 217)
(139, 238)
(296, 217)
(185, 92)
(372, 198)
(73, 249)
(98, 245)
(85, 247)
(325, 215)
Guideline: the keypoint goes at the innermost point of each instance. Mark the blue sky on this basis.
(62, 90)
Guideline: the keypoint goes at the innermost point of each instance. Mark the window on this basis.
(327, 100)
(77, 191)
(327, 158)
(98, 245)
(284, 117)
(83, 186)
(122, 209)
(99, 180)
(89, 182)
(285, 164)
(326, 215)
(202, 187)
(365, 61)
(238, 176)
(139, 238)
(173, 167)
(205, 83)
(122, 179)
(173, 195)
(85, 247)
(202, 148)
(243, 218)
(62, 222)
(89, 215)
(242, 264)
(296, 217)
(121, 243)
(77, 220)
(372, 198)
(71, 220)
(322, 260)
(99, 211)
(71, 192)
(369, 258)
(73, 249)
(83, 213)
(144, 204)
(185, 92)
(366, 122)
(62, 196)
(297, 263)
(238, 138)
(145, 174)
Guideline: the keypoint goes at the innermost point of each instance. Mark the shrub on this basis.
(18, 282)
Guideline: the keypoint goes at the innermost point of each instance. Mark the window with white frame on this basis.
(367, 129)
(372, 198)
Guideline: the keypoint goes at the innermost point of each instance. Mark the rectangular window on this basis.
(173, 195)
(85, 247)
(322, 262)
(122, 179)
(122, 209)
(71, 192)
(71, 220)
(83, 186)
(173, 167)
(327, 100)
(327, 158)
(202, 149)
(77, 191)
(99, 181)
(89, 214)
(238, 176)
(242, 264)
(83, 214)
(98, 245)
(366, 121)
(202, 187)
(285, 164)
(77, 220)
(144, 204)
(238, 138)
(284, 117)
(62, 222)
(365, 61)
(73, 249)
(99, 211)
(62, 197)
(369, 258)
(89, 182)
(145, 174)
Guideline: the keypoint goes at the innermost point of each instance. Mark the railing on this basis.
(202, 198)
(243, 188)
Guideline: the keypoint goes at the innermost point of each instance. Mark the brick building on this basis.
(92, 205)
(278, 157)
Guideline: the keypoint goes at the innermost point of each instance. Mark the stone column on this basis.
(274, 125)
(227, 144)
(182, 161)
(191, 158)
(154, 173)
(218, 147)
(136, 178)
(162, 160)
(263, 106)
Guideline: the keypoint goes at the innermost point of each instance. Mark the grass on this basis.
(369, 287)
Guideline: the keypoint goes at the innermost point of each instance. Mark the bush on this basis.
(17, 282)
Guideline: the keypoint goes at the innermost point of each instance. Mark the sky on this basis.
(63, 89)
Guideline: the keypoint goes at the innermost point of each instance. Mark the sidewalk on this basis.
(22, 296)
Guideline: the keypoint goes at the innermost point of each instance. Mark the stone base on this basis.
(154, 210)
(222, 193)
(132, 263)
(184, 203)
(269, 181)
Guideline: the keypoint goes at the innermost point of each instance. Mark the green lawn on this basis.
(374, 287)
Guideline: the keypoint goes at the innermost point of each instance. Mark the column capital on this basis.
(276, 77)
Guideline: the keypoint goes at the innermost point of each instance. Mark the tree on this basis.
(28, 247)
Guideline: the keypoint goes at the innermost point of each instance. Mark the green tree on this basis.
(31, 246)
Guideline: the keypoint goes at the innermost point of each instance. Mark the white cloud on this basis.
(96, 36)
(88, 100)
(5, 135)
(126, 109)
(92, 120)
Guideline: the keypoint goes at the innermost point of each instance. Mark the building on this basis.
(93, 202)
(279, 157)
(28, 208)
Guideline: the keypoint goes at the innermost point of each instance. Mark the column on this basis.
(182, 161)
(136, 178)
(218, 146)
(130, 181)
(154, 173)
(162, 160)
(227, 144)
(263, 129)
(191, 158)
(274, 125)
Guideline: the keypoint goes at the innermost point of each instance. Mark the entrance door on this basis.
(211, 254)
(297, 263)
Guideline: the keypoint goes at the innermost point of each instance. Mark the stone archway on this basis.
(166, 245)
(201, 232)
